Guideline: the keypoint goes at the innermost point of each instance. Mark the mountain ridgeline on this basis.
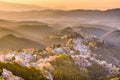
(71, 17)
(59, 45)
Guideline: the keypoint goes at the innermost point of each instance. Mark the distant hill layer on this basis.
(37, 14)
(5, 31)
(10, 41)
(57, 13)
(108, 17)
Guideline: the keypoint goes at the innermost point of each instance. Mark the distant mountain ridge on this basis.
(64, 12)
(109, 17)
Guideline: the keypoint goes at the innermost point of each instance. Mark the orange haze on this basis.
(71, 4)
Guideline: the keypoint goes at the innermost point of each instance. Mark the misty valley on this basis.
(60, 45)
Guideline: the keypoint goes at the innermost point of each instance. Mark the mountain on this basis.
(6, 6)
(6, 23)
(3, 21)
(57, 37)
(40, 29)
(108, 17)
(35, 32)
(10, 41)
(102, 50)
(30, 23)
(95, 30)
(12, 23)
(107, 53)
(5, 31)
(73, 13)
(116, 10)
(113, 38)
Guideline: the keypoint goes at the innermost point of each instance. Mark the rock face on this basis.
(9, 76)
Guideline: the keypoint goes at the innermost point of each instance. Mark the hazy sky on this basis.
(72, 4)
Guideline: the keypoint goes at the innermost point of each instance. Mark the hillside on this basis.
(113, 38)
(10, 41)
(11, 23)
(5, 31)
(35, 32)
(79, 57)
(60, 45)
(98, 32)
(56, 37)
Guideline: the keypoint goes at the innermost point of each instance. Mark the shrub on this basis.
(1, 78)
(27, 73)
(65, 69)
(96, 71)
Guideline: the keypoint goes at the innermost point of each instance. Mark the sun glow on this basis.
(71, 4)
